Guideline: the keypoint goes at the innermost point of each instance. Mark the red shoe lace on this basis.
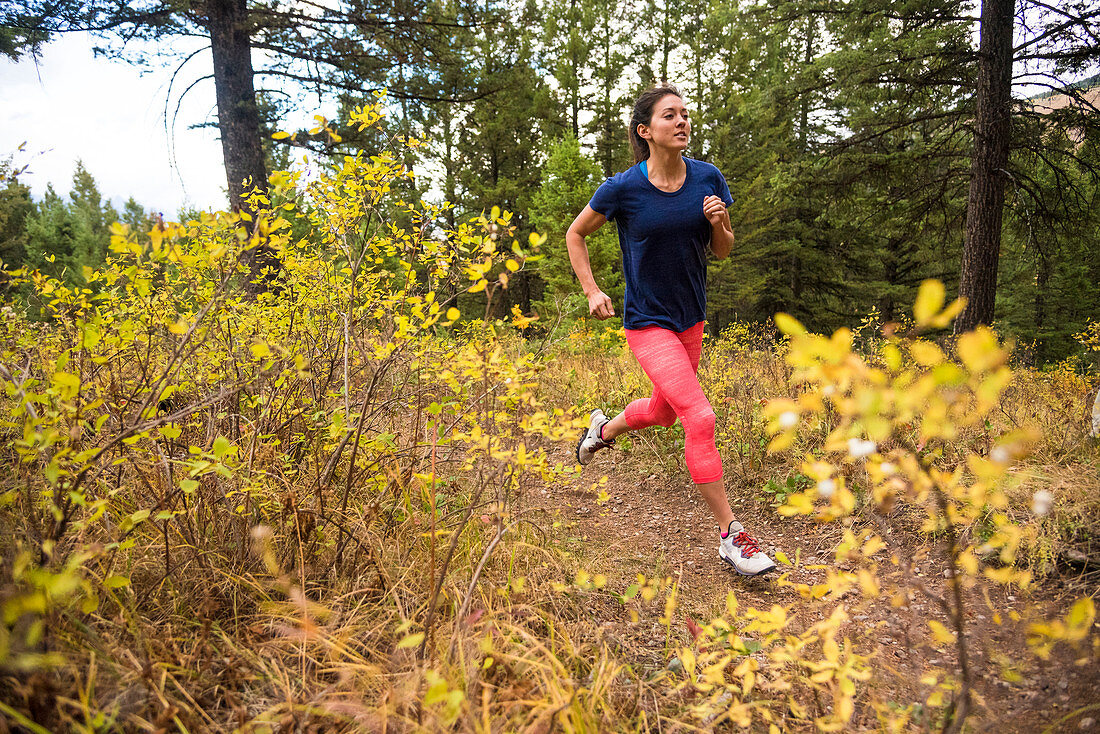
(747, 544)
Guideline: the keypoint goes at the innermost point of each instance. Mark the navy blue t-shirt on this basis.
(665, 239)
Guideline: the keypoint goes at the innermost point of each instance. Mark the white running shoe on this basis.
(739, 549)
(591, 439)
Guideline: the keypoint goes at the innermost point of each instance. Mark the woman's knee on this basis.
(649, 412)
(700, 421)
(703, 460)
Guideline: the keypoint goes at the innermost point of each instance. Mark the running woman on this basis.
(671, 214)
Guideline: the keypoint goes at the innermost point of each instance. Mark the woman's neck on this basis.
(666, 168)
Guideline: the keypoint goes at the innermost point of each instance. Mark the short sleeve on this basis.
(722, 189)
(606, 199)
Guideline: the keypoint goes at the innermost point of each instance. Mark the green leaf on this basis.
(116, 582)
(90, 336)
(222, 446)
(90, 604)
(170, 431)
(410, 640)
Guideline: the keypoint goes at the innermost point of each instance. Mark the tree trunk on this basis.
(606, 143)
(666, 39)
(239, 124)
(804, 98)
(886, 304)
(1042, 283)
(574, 69)
(985, 203)
(238, 115)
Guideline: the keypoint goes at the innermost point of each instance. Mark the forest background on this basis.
(845, 131)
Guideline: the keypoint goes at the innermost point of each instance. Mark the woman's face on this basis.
(669, 127)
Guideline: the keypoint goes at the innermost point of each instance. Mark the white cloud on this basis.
(71, 105)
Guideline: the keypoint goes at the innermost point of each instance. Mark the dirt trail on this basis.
(659, 526)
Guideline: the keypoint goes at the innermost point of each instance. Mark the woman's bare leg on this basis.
(615, 427)
(714, 493)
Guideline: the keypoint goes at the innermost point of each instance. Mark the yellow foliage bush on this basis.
(296, 498)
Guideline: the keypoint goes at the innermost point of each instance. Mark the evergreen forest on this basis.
(312, 461)
(845, 131)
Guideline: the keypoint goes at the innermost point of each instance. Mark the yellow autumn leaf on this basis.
(830, 649)
(1080, 618)
(781, 442)
(789, 325)
(930, 299)
(731, 605)
(946, 316)
(926, 354)
(797, 504)
(868, 584)
(940, 633)
(687, 658)
(873, 545)
(979, 350)
(844, 708)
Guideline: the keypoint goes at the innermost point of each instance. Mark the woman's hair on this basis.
(643, 114)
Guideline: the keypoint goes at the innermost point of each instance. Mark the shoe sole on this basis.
(580, 442)
(731, 564)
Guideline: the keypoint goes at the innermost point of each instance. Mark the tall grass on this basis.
(308, 509)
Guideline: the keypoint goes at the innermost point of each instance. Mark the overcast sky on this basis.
(71, 105)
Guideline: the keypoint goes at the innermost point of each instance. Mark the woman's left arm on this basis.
(721, 233)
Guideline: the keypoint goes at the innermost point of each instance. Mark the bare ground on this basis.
(658, 526)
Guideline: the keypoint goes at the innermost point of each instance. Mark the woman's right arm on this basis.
(587, 222)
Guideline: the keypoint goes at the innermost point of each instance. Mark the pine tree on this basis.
(65, 236)
(767, 142)
(570, 179)
(1050, 265)
(15, 206)
(609, 107)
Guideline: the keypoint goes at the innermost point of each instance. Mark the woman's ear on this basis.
(643, 131)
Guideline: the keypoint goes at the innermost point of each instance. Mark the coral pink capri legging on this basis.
(671, 360)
